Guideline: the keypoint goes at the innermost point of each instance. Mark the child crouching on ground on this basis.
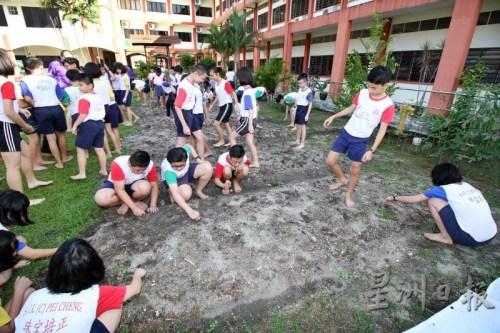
(231, 169)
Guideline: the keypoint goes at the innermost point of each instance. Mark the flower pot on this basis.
(323, 95)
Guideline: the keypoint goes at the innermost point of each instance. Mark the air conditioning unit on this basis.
(152, 26)
(125, 24)
(200, 30)
(328, 10)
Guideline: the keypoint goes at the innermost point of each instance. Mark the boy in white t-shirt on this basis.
(231, 169)
(370, 107)
(303, 102)
(73, 93)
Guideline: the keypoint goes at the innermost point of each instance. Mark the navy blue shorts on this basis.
(355, 147)
(74, 117)
(300, 114)
(119, 94)
(225, 113)
(188, 178)
(50, 119)
(242, 128)
(31, 120)
(109, 184)
(90, 134)
(98, 327)
(456, 233)
(113, 115)
(159, 91)
(197, 123)
(188, 118)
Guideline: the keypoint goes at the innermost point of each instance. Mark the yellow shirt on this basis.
(4, 316)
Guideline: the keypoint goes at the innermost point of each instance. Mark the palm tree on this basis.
(218, 41)
(237, 35)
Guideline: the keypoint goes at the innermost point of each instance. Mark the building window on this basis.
(204, 11)
(224, 5)
(360, 33)
(494, 17)
(277, 46)
(323, 39)
(262, 6)
(250, 26)
(443, 23)
(130, 4)
(249, 63)
(279, 14)
(203, 38)
(410, 67)
(37, 17)
(321, 65)
(262, 21)
(180, 10)
(299, 42)
(158, 32)
(296, 65)
(3, 20)
(299, 8)
(425, 25)
(128, 32)
(12, 10)
(184, 36)
(322, 4)
(491, 58)
(262, 62)
(158, 7)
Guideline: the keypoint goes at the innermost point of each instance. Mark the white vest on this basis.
(72, 313)
(301, 98)
(103, 90)
(190, 98)
(43, 89)
(471, 210)
(198, 104)
(367, 115)
(3, 117)
(130, 177)
(222, 95)
(96, 110)
(74, 94)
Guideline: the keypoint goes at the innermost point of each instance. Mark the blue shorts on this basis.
(31, 120)
(355, 147)
(109, 184)
(159, 91)
(300, 114)
(456, 233)
(113, 115)
(74, 117)
(188, 178)
(197, 123)
(119, 94)
(50, 119)
(90, 134)
(188, 118)
(242, 128)
(98, 327)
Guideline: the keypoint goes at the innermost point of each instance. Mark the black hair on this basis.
(34, 63)
(445, 173)
(178, 69)
(177, 154)
(230, 67)
(158, 71)
(172, 68)
(199, 68)
(237, 151)
(279, 98)
(184, 76)
(6, 65)
(379, 75)
(244, 76)
(8, 245)
(74, 267)
(73, 74)
(302, 76)
(62, 52)
(85, 78)
(217, 70)
(71, 61)
(119, 65)
(92, 69)
(14, 208)
(140, 159)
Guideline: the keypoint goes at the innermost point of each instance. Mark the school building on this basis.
(316, 36)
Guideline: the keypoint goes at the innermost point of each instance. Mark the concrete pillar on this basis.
(269, 14)
(268, 51)
(310, 9)
(456, 47)
(341, 50)
(8, 49)
(307, 53)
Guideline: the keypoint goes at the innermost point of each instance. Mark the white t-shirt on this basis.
(92, 106)
(43, 89)
(304, 97)
(104, 91)
(3, 116)
(198, 104)
(222, 90)
(139, 84)
(120, 171)
(230, 76)
(74, 94)
(185, 94)
(158, 79)
(368, 114)
(248, 102)
(169, 174)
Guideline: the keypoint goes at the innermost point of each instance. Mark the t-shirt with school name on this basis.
(120, 171)
(92, 106)
(223, 91)
(368, 114)
(304, 97)
(169, 174)
(225, 161)
(7, 92)
(248, 103)
(185, 99)
(66, 312)
(471, 210)
(73, 94)
(43, 89)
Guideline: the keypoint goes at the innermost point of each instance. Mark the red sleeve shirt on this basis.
(355, 99)
(219, 170)
(116, 172)
(228, 88)
(110, 298)
(181, 97)
(153, 175)
(83, 106)
(8, 91)
(388, 115)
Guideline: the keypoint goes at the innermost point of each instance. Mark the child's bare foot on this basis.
(294, 128)
(225, 191)
(34, 202)
(141, 205)
(21, 264)
(68, 158)
(39, 183)
(254, 165)
(43, 162)
(227, 144)
(219, 144)
(349, 203)
(236, 186)
(59, 166)
(440, 238)
(109, 155)
(39, 168)
(294, 143)
(299, 147)
(78, 177)
(103, 173)
(338, 184)
(201, 195)
(122, 210)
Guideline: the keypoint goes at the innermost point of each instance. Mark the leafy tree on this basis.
(237, 35)
(218, 41)
(207, 61)
(187, 61)
(142, 68)
(83, 11)
(270, 74)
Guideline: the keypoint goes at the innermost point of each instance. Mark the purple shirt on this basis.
(131, 74)
(58, 71)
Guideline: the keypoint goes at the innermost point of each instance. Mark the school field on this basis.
(285, 255)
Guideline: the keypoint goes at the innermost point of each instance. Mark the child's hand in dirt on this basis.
(152, 209)
(138, 211)
(139, 273)
(194, 214)
(22, 284)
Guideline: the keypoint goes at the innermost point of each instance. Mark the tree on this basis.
(83, 11)
(237, 35)
(218, 41)
(187, 61)
(270, 74)
(207, 61)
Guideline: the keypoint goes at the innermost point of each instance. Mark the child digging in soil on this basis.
(179, 172)
(231, 169)
(460, 211)
(370, 107)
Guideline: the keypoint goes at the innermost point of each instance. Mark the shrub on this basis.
(187, 61)
(270, 75)
(142, 68)
(207, 61)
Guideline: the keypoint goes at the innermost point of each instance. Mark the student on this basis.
(179, 172)
(460, 211)
(370, 107)
(71, 63)
(44, 94)
(131, 179)
(139, 88)
(89, 127)
(73, 278)
(225, 96)
(230, 75)
(231, 169)
(113, 117)
(185, 101)
(302, 111)
(178, 72)
(73, 93)
(248, 119)
(199, 116)
(123, 96)
(158, 79)
(289, 100)
(11, 309)
(168, 91)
